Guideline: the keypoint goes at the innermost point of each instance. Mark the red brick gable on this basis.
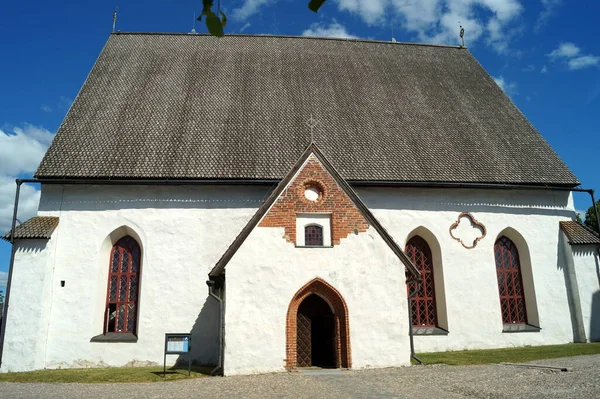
(345, 216)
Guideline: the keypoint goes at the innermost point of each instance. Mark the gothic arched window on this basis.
(313, 235)
(424, 313)
(123, 287)
(510, 282)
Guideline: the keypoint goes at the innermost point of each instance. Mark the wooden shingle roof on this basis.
(36, 227)
(578, 234)
(194, 106)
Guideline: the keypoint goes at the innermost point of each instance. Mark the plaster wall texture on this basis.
(184, 230)
(29, 307)
(471, 292)
(265, 274)
(587, 267)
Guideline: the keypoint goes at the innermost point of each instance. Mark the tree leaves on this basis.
(314, 5)
(215, 23)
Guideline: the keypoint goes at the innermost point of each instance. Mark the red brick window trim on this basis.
(510, 282)
(423, 305)
(120, 315)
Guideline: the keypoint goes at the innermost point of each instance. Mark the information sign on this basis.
(177, 344)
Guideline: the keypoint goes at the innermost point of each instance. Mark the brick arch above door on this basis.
(340, 311)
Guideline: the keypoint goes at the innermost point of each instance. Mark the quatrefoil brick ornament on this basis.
(467, 230)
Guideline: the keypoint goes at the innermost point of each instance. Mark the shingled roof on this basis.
(578, 234)
(186, 106)
(36, 227)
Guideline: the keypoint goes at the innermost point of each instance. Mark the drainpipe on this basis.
(410, 326)
(591, 192)
(218, 370)
(13, 250)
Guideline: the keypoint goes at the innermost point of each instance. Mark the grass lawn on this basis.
(510, 355)
(102, 375)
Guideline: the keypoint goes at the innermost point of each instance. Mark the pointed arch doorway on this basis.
(317, 328)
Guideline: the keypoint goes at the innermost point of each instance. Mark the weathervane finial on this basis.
(312, 123)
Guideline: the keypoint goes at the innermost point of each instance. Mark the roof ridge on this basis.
(358, 40)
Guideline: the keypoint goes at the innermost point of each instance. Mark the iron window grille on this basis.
(510, 282)
(423, 305)
(123, 287)
(313, 235)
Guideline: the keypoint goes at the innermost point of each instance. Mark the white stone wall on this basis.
(587, 267)
(265, 274)
(184, 230)
(29, 308)
(471, 291)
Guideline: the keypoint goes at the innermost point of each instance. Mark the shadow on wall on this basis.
(595, 319)
(474, 200)
(95, 197)
(205, 338)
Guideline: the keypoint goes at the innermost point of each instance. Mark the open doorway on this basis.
(316, 333)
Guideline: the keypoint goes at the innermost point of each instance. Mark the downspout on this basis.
(13, 250)
(591, 192)
(211, 288)
(410, 326)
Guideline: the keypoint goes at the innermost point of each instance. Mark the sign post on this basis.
(178, 344)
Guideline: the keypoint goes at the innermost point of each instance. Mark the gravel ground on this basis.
(490, 381)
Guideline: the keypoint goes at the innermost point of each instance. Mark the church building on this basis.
(294, 202)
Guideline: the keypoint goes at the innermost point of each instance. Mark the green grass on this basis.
(510, 355)
(105, 375)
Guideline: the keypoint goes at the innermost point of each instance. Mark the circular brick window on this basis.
(313, 191)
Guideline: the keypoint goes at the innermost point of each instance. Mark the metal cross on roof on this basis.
(312, 123)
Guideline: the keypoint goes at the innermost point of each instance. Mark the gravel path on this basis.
(490, 381)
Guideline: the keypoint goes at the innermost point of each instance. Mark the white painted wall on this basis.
(29, 307)
(472, 298)
(587, 267)
(265, 274)
(185, 230)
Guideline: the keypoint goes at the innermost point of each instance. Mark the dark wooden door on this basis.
(304, 344)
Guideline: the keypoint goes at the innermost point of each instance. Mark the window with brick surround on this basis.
(120, 314)
(423, 305)
(313, 230)
(510, 282)
(313, 235)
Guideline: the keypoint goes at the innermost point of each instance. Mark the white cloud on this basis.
(529, 68)
(565, 50)
(437, 21)
(549, 9)
(64, 102)
(3, 281)
(246, 26)
(28, 202)
(544, 69)
(371, 11)
(583, 62)
(46, 108)
(509, 88)
(333, 30)
(571, 54)
(21, 150)
(249, 8)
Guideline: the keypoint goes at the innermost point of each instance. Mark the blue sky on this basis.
(544, 53)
